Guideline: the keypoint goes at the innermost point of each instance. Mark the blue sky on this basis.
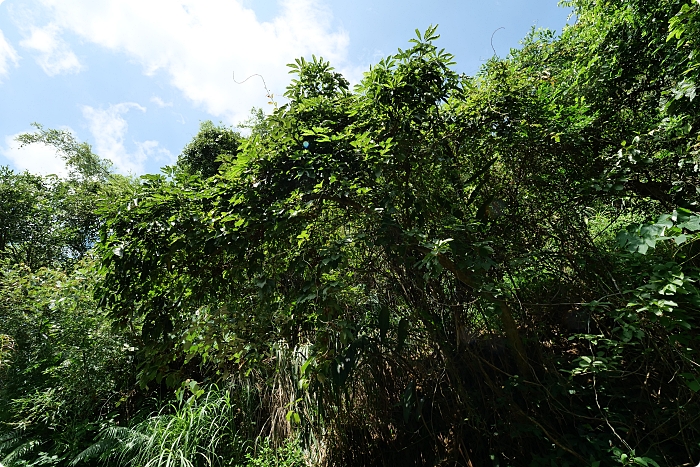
(134, 78)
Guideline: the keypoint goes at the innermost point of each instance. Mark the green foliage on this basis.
(210, 147)
(196, 431)
(680, 227)
(63, 371)
(84, 165)
(48, 221)
(256, 123)
(430, 233)
(65, 368)
(45, 221)
(288, 455)
(426, 269)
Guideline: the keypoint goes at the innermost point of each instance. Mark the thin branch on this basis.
(267, 91)
(494, 33)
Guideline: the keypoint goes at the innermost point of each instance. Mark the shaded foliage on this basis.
(66, 371)
(441, 248)
(426, 269)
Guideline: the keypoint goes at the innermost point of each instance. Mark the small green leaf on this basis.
(293, 417)
(694, 385)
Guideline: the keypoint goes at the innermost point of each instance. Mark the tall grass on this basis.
(196, 432)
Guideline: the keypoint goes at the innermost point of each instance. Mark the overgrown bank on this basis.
(428, 269)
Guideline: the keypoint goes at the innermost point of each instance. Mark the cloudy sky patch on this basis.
(109, 129)
(8, 55)
(53, 54)
(79, 57)
(200, 43)
(36, 158)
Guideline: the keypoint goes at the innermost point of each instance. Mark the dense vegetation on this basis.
(426, 269)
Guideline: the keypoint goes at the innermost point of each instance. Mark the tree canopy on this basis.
(209, 148)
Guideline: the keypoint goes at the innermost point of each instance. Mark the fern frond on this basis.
(10, 439)
(101, 447)
(20, 451)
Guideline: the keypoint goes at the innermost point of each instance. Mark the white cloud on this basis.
(152, 150)
(199, 43)
(108, 129)
(55, 56)
(160, 102)
(37, 158)
(7, 55)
